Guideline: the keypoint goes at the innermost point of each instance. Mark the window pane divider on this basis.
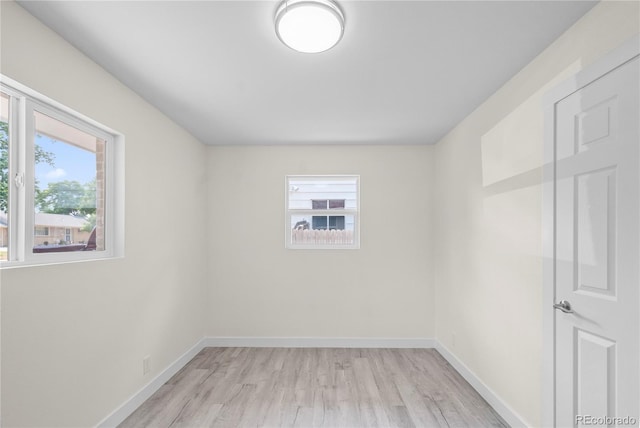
(29, 180)
(16, 196)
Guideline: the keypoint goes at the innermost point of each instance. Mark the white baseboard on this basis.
(129, 406)
(507, 413)
(319, 342)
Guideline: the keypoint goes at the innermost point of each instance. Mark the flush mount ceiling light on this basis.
(309, 26)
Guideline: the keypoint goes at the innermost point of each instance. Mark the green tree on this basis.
(88, 199)
(67, 197)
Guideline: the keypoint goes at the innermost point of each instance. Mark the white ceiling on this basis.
(405, 72)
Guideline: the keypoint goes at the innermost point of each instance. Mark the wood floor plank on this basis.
(316, 387)
(274, 409)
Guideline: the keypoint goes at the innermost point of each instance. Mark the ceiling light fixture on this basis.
(309, 26)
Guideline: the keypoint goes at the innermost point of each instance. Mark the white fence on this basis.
(322, 237)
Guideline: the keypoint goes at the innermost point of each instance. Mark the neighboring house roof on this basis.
(51, 220)
(59, 220)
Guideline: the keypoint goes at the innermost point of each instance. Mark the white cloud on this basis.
(56, 173)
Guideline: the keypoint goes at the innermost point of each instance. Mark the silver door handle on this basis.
(564, 306)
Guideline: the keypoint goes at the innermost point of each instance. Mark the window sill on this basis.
(322, 247)
(51, 261)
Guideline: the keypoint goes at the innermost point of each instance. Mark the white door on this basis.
(597, 256)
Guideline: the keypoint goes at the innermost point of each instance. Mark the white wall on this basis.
(488, 252)
(258, 288)
(74, 335)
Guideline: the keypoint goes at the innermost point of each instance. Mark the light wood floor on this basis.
(313, 387)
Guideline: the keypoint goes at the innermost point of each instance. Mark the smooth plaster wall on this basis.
(260, 289)
(488, 247)
(74, 335)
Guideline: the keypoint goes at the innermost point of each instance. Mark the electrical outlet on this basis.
(146, 365)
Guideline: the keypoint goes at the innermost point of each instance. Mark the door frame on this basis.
(621, 55)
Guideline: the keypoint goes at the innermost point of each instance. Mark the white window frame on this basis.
(23, 102)
(320, 212)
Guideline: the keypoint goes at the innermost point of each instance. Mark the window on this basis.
(58, 198)
(42, 231)
(322, 212)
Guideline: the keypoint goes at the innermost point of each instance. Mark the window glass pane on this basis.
(69, 188)
(319, 205)
(336, 203)
(319, 222)
(336, 222)
(4, 176)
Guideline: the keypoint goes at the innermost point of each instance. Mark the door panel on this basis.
(597, 251)
(594, 379)
(595, 238)
(597, 125)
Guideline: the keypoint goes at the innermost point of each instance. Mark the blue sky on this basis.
(71, 163)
